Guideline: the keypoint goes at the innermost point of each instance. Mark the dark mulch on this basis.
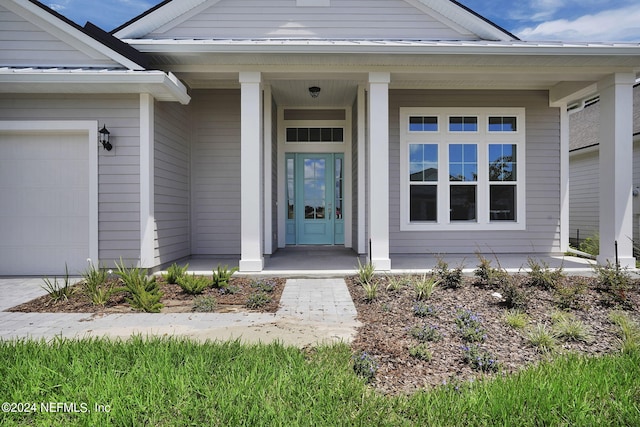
(175, 300)
(387, 320)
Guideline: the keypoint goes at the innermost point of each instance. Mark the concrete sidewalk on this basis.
(311, 311)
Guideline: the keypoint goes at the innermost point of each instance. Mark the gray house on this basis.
(389, 127)
(584, 145)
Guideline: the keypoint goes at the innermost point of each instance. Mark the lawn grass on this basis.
(166, 382)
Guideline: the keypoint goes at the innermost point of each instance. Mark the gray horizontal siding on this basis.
(119, 176)
(362, 19)
(584, 188)
(543, 176)
(215, 174)
(25, 44)
(171, 182)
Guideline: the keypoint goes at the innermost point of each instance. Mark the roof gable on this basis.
(312, 19)
(33, 35)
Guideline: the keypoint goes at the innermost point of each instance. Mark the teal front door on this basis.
(315, 199)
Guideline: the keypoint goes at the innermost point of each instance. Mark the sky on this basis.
(534, 20)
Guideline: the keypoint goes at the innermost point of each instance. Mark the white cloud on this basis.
(610, 25)
(58, 7)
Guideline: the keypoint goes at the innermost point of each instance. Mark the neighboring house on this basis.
(584, 143)
(238, 127)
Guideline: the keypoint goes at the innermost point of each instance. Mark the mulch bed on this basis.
(175, 300)
(387, 321)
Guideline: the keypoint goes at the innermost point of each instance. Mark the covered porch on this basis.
(325, 261)
(371, 88)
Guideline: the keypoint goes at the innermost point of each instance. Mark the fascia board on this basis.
(382, 47)
(147, 23)
(163, 86)
(67, 33)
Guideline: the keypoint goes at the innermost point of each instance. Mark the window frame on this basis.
(483, 137)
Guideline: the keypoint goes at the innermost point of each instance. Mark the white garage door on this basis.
(44, 203)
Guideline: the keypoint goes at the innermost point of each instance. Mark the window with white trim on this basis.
(462, 169)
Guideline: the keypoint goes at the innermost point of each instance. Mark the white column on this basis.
(147, 200)
(251, 258)
(268, 169)
(362, 167)
(379, 169)
(616, 168)
(564, 178)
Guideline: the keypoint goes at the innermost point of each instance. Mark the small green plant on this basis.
(470, 326)
(222, 275)
(516, 318)
(425, 286)
(572, 329)
(591, 245)
(542, 338)
(479, 359)
(175, 272)
(97, 286)
(370, 291)
(450, 278)
(421, 309)
(229, 289)
(193, 284)
(205, 303)
(396, 283)
(94, 276)
(365, 272)
(542, 276)
(425, 333)
(615, 282)
(514, 296)
(365, 366)
(264, 285)
(421, 351)
(629, 331)
(58, 291)
(568, 294)
(487, 274)
(257, 300)
(144, 292)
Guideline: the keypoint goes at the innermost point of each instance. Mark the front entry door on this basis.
(316, 182)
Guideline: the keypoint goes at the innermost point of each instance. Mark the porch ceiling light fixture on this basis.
(314, 91)
(103, 138)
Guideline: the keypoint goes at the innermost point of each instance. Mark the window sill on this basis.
(465, 226)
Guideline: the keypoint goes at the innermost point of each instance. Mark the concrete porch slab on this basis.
(328, 261)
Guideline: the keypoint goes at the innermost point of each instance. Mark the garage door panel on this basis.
(45, 203)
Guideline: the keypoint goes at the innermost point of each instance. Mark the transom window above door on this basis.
(462, 169)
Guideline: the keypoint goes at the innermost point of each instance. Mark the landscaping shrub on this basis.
(542, 276)
(365, 366)
(144, 292)
(58, 291)
(257, 300)
(205, 303)
(487, 274)
(193, 284)
(450, 278)
(175, 272)
(425, 286)
(221, 276)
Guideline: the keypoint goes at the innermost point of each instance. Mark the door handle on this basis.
(329, 213)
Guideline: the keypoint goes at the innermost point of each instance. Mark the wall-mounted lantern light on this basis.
(314, 91)
(103, 138)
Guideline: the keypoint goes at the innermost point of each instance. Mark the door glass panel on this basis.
(339, 186)
(314, 188)
(290, 189)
